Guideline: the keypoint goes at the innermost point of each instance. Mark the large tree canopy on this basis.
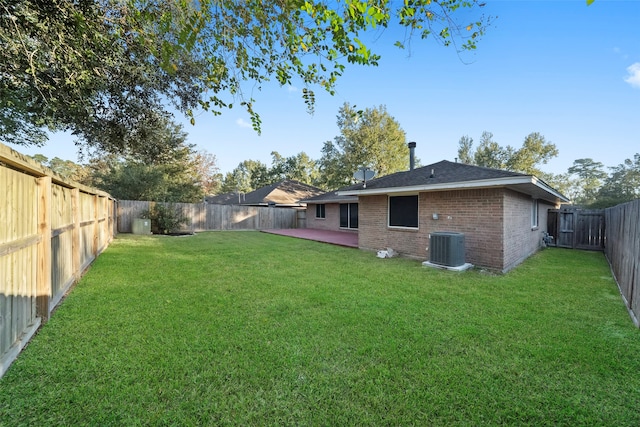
(252, 174)
(622, 184)
(535, 150)
(93, 68)
(590, 175)
(371, 138)
(175, 173)
(104, 69)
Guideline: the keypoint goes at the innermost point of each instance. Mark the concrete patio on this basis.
(341, 238)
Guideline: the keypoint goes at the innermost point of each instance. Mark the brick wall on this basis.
(331, 220)
(496, 224)
(478, 214)
(521, 240)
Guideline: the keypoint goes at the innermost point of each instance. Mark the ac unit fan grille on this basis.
(447, 248)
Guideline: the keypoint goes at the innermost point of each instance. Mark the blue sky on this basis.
(563, 69)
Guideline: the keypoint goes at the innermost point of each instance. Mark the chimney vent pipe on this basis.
(412, 155)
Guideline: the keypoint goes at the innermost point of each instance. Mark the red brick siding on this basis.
(521, 240)
(476, 213)
(331, 221)
(372, 223)
(496, 224)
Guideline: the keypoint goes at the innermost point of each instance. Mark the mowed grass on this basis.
(246, 328)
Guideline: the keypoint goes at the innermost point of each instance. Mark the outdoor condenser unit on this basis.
(446, 248)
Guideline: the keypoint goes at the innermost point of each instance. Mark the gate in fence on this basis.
(577, 228)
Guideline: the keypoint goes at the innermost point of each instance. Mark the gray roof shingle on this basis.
(449, 175)
(284, 193)
(436, 173)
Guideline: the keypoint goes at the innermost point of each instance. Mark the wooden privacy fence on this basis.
(577, 228)
(50, 231)
(623, 252)
(205, 217)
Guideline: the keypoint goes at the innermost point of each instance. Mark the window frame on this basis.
(535, 211)
(396, 202)
(321, 211)
(349, 216)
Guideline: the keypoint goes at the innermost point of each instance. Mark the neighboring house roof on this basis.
(283, 193)
(225, 199)
(446, 175)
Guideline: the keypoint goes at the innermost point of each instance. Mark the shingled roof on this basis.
(446, 175)
(283, 193)
(331, 197)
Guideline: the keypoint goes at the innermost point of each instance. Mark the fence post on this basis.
(75, 234)
(43, 272)
(94, 243)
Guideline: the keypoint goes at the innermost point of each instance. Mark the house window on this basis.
(320, 211)
(348, 215)
(403, 211)
(534, 213)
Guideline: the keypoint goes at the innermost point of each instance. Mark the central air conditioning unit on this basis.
(446, 248)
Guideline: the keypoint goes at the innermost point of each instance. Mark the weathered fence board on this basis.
(623, 252)
(204, 217)
(42, 244)
(577, 228)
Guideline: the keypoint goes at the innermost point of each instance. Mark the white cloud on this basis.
(292, 88)
(634, 75)
(243, 123)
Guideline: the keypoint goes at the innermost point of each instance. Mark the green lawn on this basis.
(246, 328)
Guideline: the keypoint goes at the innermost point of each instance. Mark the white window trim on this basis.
(401, 227)
(535, 209)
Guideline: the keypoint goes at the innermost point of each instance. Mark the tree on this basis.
(371, 138)
(465, 146)
(175, 172)
(92, 68)
(104, 68)
(622, 185)
(590, 176)
(563, 183)
(131, 180)
(206, 167)
(535, 150)
(489, 153)
(299, 167)
(246, 177)
(65, 168)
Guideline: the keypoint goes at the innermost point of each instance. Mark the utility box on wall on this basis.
(141, 226)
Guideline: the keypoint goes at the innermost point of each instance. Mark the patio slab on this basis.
(341, 238)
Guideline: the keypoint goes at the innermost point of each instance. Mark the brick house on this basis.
(502, 214)
(332, 212)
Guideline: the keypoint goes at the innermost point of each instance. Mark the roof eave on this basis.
(482, 183)
(349, 199)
